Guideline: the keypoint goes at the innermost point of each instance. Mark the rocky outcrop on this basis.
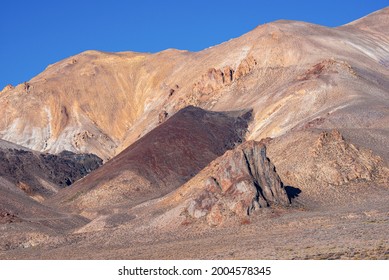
(27, 87)
(162, 116)
(325, 67)
(213, 80)
(216, 79)
(238, 183)
(173, 90)
(81, 138)
(245, 67)
(338, 161)
(7, 88)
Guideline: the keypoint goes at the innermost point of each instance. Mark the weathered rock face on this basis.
(245, 67)
(216, 79)
(238, 183)
(213, 80)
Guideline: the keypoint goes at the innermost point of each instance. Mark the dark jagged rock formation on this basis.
(39, 174)
(238, 183)
(67, 167)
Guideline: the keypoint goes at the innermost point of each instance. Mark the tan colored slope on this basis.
(103, 102)
(330, 170)
(84, 103)
(25, 222)
(374, 22)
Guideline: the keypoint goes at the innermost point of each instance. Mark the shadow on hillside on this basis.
(292, 192)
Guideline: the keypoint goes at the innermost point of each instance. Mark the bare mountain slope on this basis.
(27, 178)
(374, 22)
(161, 161)
(289, 72)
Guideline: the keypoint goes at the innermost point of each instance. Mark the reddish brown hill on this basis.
(162, 160)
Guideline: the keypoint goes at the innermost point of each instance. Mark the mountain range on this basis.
(271, 145)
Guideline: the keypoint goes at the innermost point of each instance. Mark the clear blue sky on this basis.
(36, 33)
